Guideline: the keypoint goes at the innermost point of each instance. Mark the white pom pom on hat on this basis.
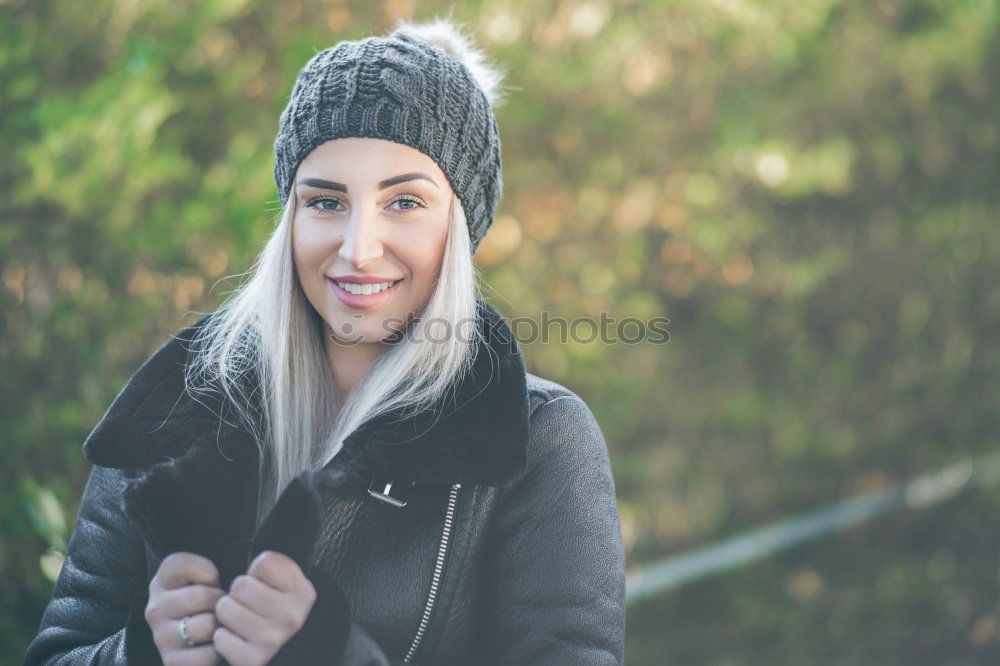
(445, 34)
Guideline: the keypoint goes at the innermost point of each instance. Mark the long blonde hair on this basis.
(269, 331)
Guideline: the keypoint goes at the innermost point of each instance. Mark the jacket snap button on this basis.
(391, 492)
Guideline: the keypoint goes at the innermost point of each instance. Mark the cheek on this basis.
(308, 248)
(423, 250)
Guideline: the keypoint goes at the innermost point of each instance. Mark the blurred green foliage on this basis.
(808, 190)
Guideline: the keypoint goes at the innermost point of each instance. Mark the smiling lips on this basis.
(362, 293)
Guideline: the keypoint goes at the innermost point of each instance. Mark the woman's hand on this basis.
(185, 584)
(264, 608)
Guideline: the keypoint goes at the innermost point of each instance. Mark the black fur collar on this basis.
(478, 434)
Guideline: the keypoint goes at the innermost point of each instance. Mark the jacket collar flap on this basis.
(477, 433)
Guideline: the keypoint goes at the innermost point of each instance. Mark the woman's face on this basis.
(370, 214)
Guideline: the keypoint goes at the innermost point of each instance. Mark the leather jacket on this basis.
(482, 531)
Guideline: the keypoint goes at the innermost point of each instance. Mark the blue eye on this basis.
(410, 200)
(319, 203)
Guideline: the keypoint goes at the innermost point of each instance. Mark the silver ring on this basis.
(183, 629)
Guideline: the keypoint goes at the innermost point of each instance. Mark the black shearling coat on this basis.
(498, 542)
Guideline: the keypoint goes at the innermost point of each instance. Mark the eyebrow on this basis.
(388, 182)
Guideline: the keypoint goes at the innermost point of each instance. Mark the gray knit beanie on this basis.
(425, 86)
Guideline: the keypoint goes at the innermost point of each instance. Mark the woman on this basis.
(347, 463)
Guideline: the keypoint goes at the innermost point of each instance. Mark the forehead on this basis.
(360, 158)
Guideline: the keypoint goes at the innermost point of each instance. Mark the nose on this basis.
(361, 238)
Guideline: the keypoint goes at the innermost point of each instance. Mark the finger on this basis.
(257, 595)
(232, 647)
(187, 600)
(245, 623)
(277, 570)
(181, 568)
(200, 628)
(203, 655)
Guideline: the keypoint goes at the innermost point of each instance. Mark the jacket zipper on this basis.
(436, 580)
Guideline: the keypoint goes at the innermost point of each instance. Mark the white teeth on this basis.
(364, 289)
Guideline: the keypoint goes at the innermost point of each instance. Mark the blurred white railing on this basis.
(735, 551)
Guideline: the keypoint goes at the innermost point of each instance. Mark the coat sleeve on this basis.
(96, 613)
(554, 580)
